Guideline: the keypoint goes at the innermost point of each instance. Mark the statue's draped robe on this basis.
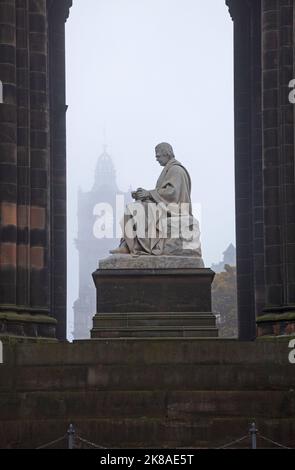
(164, 225)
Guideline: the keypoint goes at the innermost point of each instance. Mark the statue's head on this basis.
(164, 153)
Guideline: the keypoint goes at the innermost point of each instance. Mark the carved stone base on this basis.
(172, 325)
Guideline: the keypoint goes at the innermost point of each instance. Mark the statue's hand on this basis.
(142, 194)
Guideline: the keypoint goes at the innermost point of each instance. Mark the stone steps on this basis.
(166, 405)
(146, 393)
(131, 352)
(148, 377)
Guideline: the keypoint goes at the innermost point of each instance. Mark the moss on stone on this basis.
(15, 340)
(276, 318)
(273, 338)
(27, 318)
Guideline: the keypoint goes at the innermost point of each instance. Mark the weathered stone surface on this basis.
(151, 262)
(141, 325)
(153, 291)
(146, 393)
(148, 351)
(264, 162)
(124, 320)
(165, 331)
(23, 324)
(32, 34)
(137, 404)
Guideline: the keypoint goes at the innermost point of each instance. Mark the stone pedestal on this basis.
(151, 296)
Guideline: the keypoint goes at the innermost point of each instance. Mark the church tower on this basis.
(91, 249)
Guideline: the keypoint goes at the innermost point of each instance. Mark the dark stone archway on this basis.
(33, 166)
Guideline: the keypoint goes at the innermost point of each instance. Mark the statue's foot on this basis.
(122, 250)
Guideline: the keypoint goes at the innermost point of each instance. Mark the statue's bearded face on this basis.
(162, 157)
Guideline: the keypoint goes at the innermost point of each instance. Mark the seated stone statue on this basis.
(160, 221)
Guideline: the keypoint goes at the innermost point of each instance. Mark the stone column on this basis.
(39, 147)
(23, 154)
(248, 164)
(57, 15)
(8, 158)
(32, 231)
(278, 160)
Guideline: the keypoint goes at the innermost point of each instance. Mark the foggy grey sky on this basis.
(152, 71)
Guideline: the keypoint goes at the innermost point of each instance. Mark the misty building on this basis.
(91, 248)
(229, 257)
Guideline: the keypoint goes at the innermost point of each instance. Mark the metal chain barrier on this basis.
(49, 444)
(90, 444)
(253, 435)
(273, 442)
(72, 439)
(226, 446)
